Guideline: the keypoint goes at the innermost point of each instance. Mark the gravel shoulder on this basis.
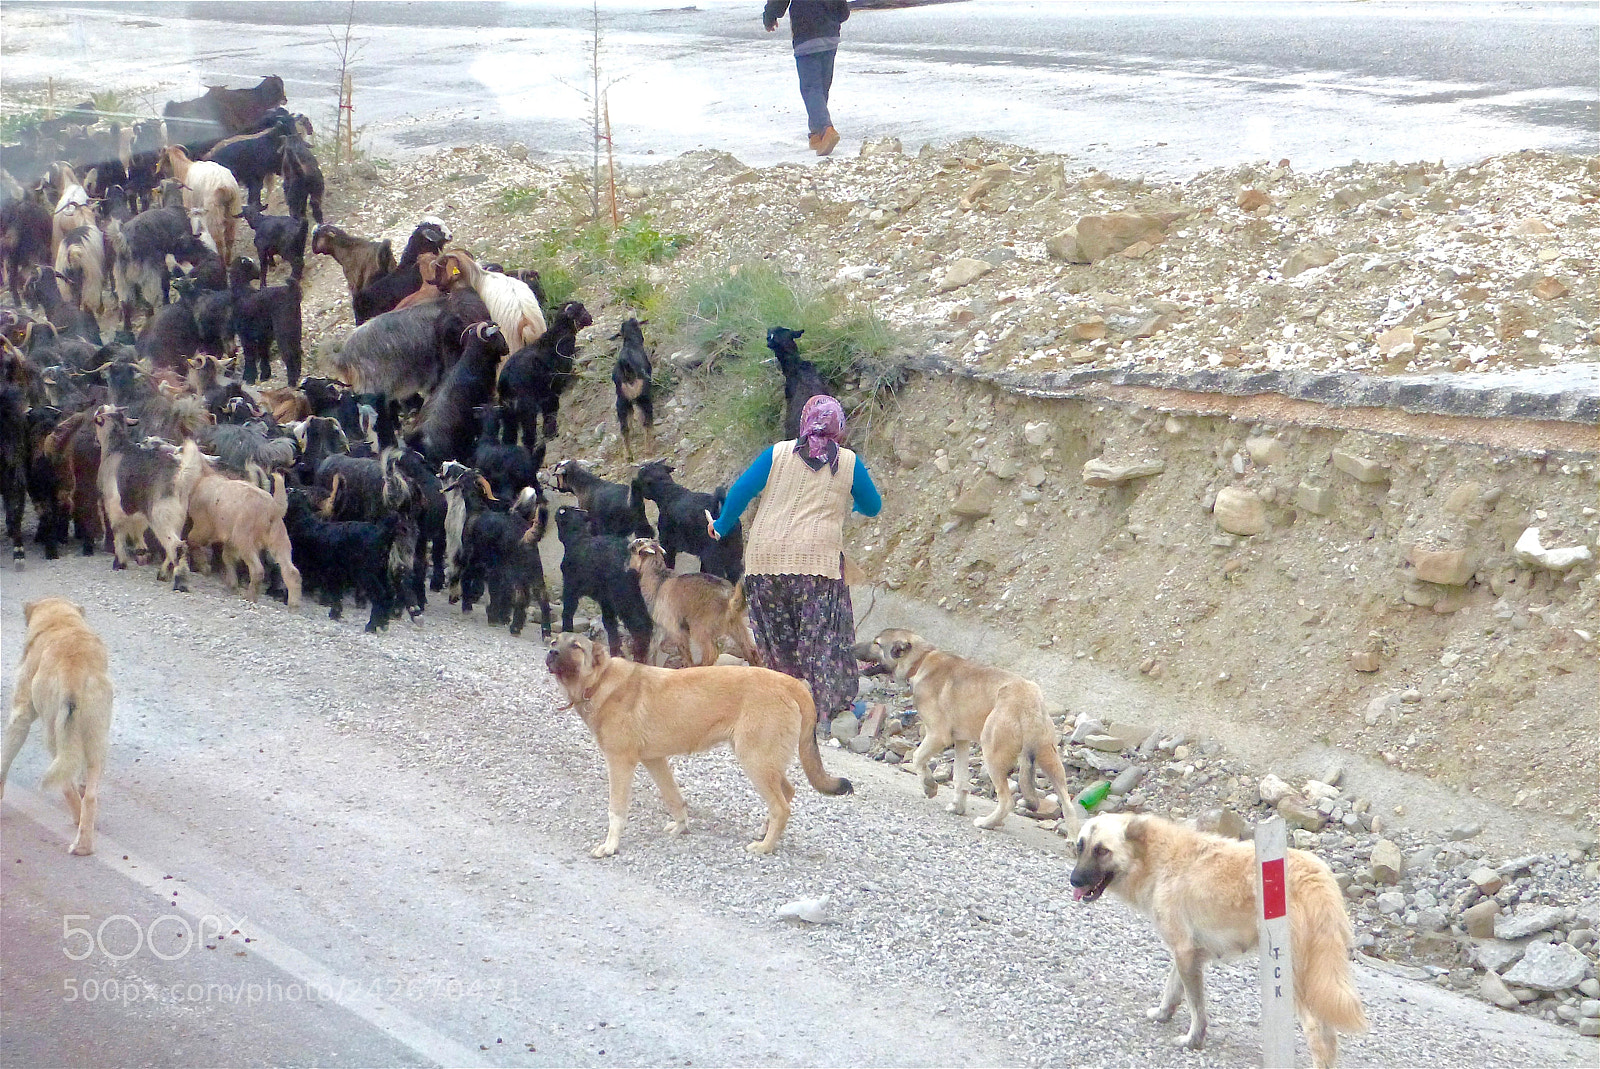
(413, 808)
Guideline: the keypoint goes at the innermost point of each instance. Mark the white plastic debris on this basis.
(808, 910)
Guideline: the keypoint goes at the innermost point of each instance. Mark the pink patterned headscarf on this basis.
(821, 431)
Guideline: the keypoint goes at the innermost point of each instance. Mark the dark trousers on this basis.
(816, 79)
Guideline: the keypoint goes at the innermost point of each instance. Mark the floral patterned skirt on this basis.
(805, 627)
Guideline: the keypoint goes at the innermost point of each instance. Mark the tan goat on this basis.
(245, 520)
(692, 610)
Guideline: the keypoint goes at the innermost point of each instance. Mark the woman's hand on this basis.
(711, 527)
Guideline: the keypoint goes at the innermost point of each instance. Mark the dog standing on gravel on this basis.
(1200, 891)
(62, 680)
(961, 702)
(644, 715)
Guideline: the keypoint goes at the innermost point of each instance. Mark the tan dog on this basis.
(644, 715)
(961, 702)
(62, 680)
(690, 610)
(1200, 891)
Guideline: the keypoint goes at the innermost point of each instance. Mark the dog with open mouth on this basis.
(1199, 889)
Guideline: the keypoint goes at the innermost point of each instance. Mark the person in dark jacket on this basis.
(815, 24)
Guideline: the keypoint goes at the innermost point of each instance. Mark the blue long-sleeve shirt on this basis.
(864, 496)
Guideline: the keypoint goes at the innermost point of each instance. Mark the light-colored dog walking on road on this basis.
(961, 702)
(1200, 891)
(62, 680)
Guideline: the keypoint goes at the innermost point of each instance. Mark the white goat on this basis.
(73, 208)
(512, 304)
(210, 193)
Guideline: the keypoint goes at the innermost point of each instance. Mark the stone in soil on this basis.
(1495, 955)
(1549, 967)
(1493, 989)
(1478, 920)
(1528, 921)
(1387, 864)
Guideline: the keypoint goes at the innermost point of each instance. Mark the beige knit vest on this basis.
(799, 525)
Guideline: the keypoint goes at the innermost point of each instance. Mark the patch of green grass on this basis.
(639, 242)
(638, 294)
(725, 316)
(12, 123)
(519, 199)
(109, 103)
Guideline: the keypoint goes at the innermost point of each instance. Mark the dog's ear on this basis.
(1134, 830)
(81, 610)
(899, 650)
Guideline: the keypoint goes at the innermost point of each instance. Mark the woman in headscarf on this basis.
(794, 553)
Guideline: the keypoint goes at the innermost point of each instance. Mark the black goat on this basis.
(254, 157)
(682, 519)
(24, 238)
(14, 462)
(302, 179)
(500, 552)
(335, 557)
(264, 316)
(596, 566)
(278, 237)
(509, 467)
(50, 484)
(141, 247)
(801, 379)
(382, 294)
(533, 380)
(171, 336)
(446, 430)
(319, 438)
(613, 507)
(44, 291)
(631, 378)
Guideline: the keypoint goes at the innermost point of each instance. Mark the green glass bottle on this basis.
(1093, 795)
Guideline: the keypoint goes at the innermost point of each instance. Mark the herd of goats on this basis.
(414, 466)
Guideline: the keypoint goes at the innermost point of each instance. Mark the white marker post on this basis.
(1277, 970)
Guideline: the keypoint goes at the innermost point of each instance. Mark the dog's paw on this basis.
(1190, 1040)
(988, 823)
(80, 849)
(677, 828)
(959, 808)
(760, 847)
(603, 850)
(929, 787)
(1158, 1013)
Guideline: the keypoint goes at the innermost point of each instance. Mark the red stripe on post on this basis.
(1274, 895)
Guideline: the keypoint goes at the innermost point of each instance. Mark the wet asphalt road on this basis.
(1159, 89)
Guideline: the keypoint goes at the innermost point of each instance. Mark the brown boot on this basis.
(816, 143)
(827, 141)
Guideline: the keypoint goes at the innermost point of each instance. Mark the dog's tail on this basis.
(1319, 933)
(811, 756)
(70, 759)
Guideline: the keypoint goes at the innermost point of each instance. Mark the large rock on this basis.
(1239, 511)
(1101, 472)
(1387, 863)
(1359, 468)
(1493, 989)
(1101, 235)
(1478, 920)
(979, 499)
(1266, 451)
(1317, 500)
(1305, 258)
(1549, 967)
(1224, 822)
(1529, 920)
(963, 272)
(1449, 567)
(1064, 247)
(1297, 813)
(1531, 550)
(1273, 789)
(1495, 954)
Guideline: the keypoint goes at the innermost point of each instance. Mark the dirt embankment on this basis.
(1359, 585)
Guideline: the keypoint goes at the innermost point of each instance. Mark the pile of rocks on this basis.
(1522, 933)
(1005, 258)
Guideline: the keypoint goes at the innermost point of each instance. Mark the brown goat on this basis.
(692, 610)
(428, 291)
(245, 520)
(363, 261)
